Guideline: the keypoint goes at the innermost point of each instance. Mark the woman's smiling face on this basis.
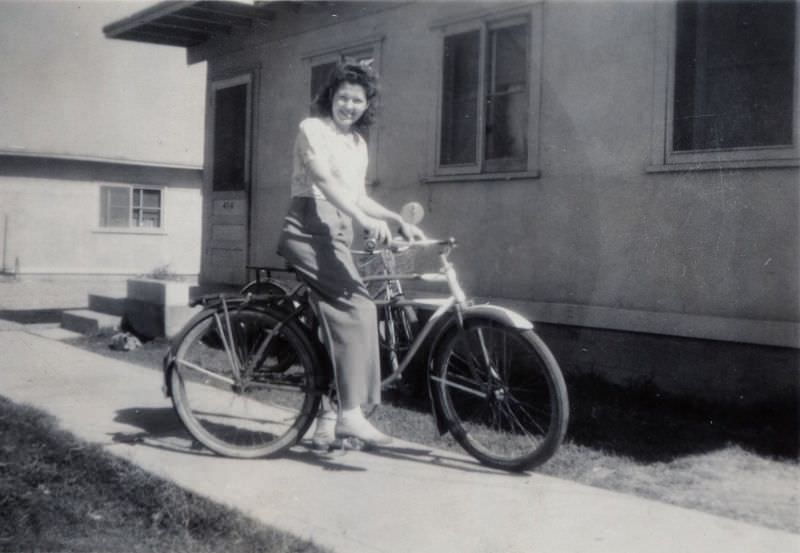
(348, 105)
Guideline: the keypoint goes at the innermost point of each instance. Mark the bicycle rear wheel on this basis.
(234, 388)
(501, 393)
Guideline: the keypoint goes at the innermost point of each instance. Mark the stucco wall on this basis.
(596, 228)
(53, 227)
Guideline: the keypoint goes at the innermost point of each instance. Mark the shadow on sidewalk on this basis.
(160, 428)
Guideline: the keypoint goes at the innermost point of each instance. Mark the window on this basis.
(487, 124)
(126, 206)
(734, 75)
(231, 161)
(726, 85)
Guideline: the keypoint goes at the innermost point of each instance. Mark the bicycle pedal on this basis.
(345, 444)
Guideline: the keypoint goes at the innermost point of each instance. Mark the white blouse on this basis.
(345, 154)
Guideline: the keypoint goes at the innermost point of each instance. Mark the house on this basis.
(624, 172)
(92, 183)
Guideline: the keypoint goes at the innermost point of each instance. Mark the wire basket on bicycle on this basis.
(381, 263)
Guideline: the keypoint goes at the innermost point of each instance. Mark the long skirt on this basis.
(316, 240)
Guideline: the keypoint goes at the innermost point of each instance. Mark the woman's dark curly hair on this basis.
(353, 72)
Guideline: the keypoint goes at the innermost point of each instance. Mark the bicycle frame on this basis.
(454, 307)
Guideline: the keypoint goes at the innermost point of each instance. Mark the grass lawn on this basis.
(58, 494)
(738, 465)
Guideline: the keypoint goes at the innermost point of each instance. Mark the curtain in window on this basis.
(115, 206)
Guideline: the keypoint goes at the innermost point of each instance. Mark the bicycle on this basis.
(247, 374)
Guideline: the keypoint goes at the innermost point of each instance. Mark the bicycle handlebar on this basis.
(400, 244)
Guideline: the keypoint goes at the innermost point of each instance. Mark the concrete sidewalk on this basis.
(406, 499)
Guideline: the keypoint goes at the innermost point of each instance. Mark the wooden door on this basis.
(226, 223)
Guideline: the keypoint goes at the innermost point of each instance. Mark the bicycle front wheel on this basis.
(501, 393)
(245, 389)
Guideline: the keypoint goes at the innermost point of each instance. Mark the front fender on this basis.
(494, 313)
(499, 314)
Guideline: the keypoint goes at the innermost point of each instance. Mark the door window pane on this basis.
(230, 138)
(734, 75)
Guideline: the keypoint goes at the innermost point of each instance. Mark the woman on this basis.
(328, 194)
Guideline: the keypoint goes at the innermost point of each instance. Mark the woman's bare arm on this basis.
(333, 188)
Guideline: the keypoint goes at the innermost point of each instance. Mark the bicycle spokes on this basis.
(496, 391)
(242, 389)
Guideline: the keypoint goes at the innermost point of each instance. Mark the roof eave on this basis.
(187, 23)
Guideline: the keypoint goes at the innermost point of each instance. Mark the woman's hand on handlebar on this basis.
(411, 232)
(376, 230)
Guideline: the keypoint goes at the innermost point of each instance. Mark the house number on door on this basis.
(227, 204)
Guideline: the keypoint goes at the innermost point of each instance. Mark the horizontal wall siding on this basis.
(51, 225)
(595, 229)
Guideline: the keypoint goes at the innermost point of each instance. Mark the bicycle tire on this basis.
(512, 418)
(270, 408)
(263, 287)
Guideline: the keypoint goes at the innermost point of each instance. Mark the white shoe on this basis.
(325, 434)
(360, 428)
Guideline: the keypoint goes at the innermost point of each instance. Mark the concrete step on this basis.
(90, 323)
(105, 303)
(36, 327)
(52, 332)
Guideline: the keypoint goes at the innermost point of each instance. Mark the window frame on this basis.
(130, 227)
(335, 53)
(485, 22)
(663, 155)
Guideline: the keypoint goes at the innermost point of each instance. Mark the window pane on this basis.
(230, 138)
(507, 94)
(150, 198)
(115, 206)
(117, 217)
(460, 98)
(734, 75)
(319, 76)
(147, 218)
